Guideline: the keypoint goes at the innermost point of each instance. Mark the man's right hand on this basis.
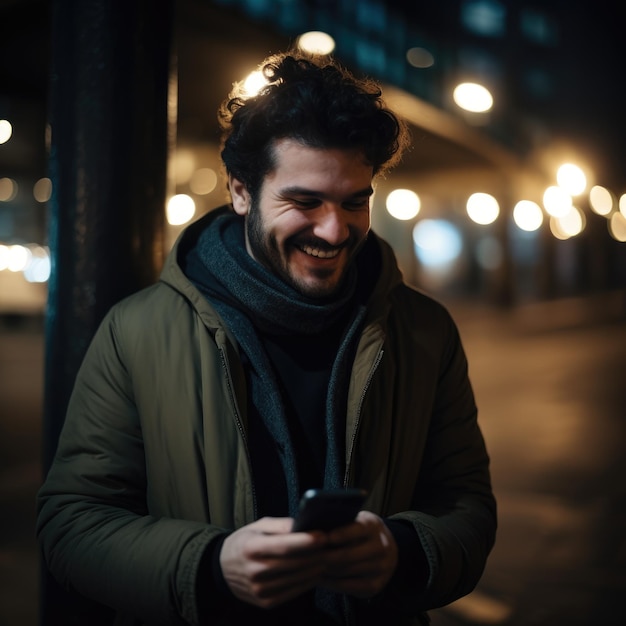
(266, 565)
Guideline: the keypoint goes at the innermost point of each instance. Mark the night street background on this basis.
(549, 381)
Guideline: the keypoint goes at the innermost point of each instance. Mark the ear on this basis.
(239, 195)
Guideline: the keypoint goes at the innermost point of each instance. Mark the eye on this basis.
(306, 204)
(356, 205)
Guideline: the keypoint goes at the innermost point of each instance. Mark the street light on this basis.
(316, 42)
(482, 208)
(557, 201)
(571, 178)
(617, 227)
(8, 189)
(572, 223)
(180, 209)
(473, 97)
(6, 130)
(600, 200)
(403, 204)
(254, 82)
(528, 215)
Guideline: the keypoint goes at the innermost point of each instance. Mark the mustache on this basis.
(320, 244)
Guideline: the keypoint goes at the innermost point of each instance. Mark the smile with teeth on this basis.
(319, 253)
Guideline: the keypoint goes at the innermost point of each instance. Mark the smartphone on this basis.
(325, 509)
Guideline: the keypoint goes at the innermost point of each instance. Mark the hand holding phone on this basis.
(325, 509)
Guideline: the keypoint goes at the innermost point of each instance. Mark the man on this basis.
(280, 351)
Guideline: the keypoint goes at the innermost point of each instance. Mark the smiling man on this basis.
(280, 351)
(311, 217)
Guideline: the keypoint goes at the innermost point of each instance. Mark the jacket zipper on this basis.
(347, 610)
(240, 427)
(355, 432)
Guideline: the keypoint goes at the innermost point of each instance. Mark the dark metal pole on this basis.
(108, 157)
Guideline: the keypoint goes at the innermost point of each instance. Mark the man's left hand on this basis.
(361, 557)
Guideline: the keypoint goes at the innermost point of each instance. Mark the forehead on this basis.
(294, 159)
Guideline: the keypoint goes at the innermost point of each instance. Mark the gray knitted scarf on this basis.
(250, 300)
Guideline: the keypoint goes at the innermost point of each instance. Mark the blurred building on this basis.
(481, 225)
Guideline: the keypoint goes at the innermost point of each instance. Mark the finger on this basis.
(356, 554)
(273, 582)
(289, 568)
(270, 588)
(356, 566)
(362, 569)
(364, 526)
(264, 545)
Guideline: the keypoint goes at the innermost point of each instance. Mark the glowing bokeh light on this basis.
(19, 257)
(622, 204)
(8, 189)
(572, 223)
(316, 42)
(420, 57)
(571, 178)
(437, 242)
(6, 130)
(473, 97)
(555, 228)
(482, 208)
(203, 181)
(180, 209)
(254, 83)
(528, 215)
(617, 227)
(38, 269)
(42, 190)
(403, 204)
(184, 165)
(600, 200)
(557, 201)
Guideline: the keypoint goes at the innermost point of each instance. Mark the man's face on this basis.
(312, 215)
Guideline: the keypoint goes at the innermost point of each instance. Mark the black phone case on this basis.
(327, 509)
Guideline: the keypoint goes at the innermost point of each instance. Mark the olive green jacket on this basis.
(153, 463)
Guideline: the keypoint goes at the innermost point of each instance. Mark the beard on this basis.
(265, 250)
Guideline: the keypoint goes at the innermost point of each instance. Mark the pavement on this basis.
(549, 382)
(21, 401)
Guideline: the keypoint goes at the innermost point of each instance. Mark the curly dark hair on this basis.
(314, 100)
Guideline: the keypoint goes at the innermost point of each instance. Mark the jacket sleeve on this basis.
(93, 523)
(454, 510)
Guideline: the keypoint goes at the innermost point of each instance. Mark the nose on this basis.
(331, 224)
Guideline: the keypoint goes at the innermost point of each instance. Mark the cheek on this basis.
(361, 225)
(288, 225)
